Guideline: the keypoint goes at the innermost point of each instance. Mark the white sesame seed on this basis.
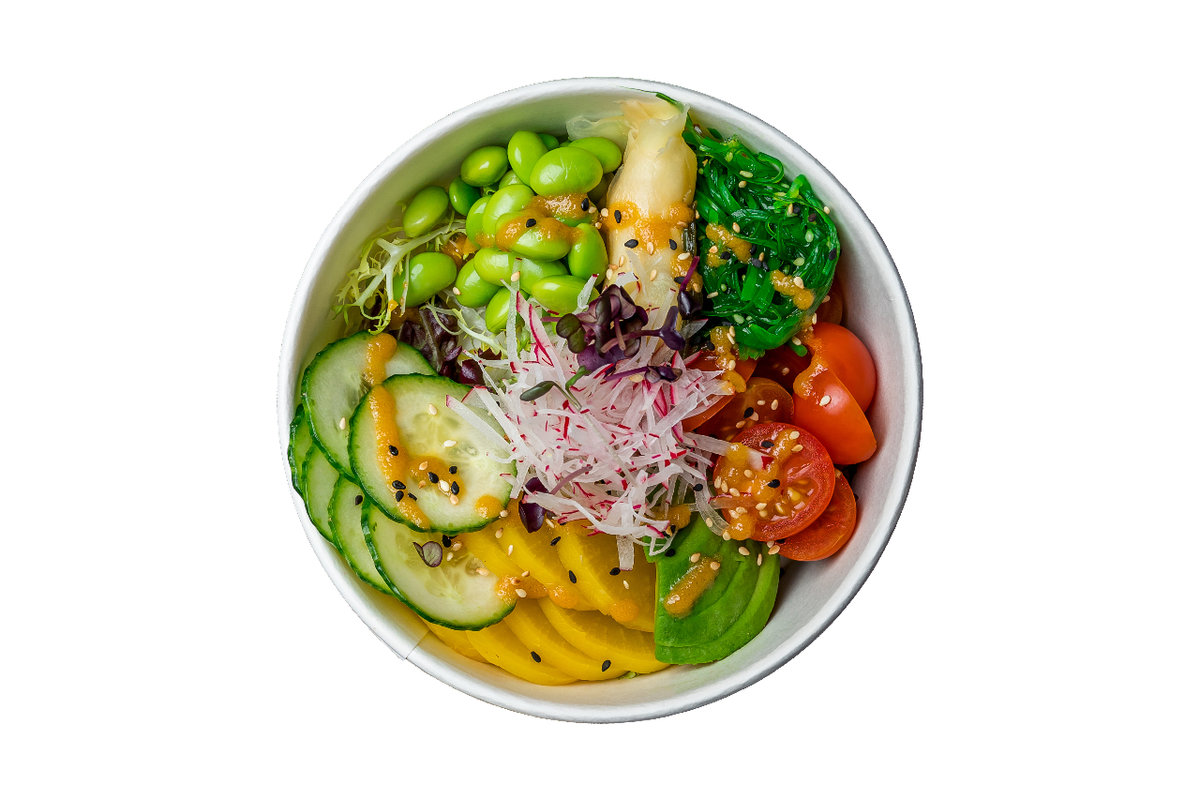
(650, 248)
(503, 513)
(773, 550)
(499, 534)
(449, 556)
(797, 448)
(708, 522)
(456, 290)
(481, 571)
(621, 261)
(653, 274)
(525, 574)
(635, 378)
(342, 424)
(825, 400)
(748, 473)
(760, 506)
(521, 593)
(683, 256)
(444, 486)
(825, 209)
(825, 299)
(774, 405)
(453, 499)
(741, 184)
(712, 249)
(760, 559)
(726, 536)
(796, 341)
(449, 443)
(510, 549)
(516, 276)
(744, 550)
(694, 557)
(424, 465)
(794, 435)
(711, 295)
(745, 173)
(626, 584)
(737, 228)
(785, 370)
(432, 410)
(714, 565)
(798, 281)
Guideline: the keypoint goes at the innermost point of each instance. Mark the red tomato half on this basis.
(848, 357)
(781, 365)
(829, 532)
(770, 498)
(827, 409)
(763, 401)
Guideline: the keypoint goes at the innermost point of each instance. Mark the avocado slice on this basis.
(718, 607)
(745, 628)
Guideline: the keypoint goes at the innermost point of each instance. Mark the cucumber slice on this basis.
(442, 441)
(299, 443)
(345, 517)
(334, 383)
(453, 594)
(317, 490)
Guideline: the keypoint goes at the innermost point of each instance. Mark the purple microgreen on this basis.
(430, 553)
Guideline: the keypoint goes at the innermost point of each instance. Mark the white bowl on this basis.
(811, 595)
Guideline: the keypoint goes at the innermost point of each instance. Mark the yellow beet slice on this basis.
(533, 552)
(602, 637)
(484, 545)
(499, 645)
(535, 632)
(628, 596)
(456, 641)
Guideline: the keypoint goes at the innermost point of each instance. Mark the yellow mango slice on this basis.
(499, 645)
(628, 596)
(456, 641)
(533, 552)
(537, 634)
(484, 545)
(604, 638)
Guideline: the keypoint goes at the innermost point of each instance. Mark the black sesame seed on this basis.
(674, 244)
(412, 496)
(392, 449)
(749, 412)
(766, 444)
(631, 243)
(533, 654)
(617, 215)
(529, 223)
(433, 478)
(604, 667)
(698, 486)
(670, 552)
(571, 575)
(399, 496)
(454, 470)
(446, 540)
(726, 255)
(358, 498)
(773, 483)
(615, 571)
(453, 487)
(398, 485)
(585, 205)
(555, 540)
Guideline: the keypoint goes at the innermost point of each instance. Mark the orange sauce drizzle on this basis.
(393, 460)
(687, 590)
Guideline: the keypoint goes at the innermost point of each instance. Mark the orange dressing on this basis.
(488, 506)
(726, 357)
(562, 205)
(459, 248)
(393, 461)
(753, 491)
(679, 516)
(508, 233)
(380, 350)
(650, 228)
(726, 240)
(687, 590)
(786, 285)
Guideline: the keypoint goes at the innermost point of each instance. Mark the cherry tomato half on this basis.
(708, 361)
(828, 532)
(827, 409)
(774, 481)
(763, 401)
(833, 306)
(782, 365)
(848, 357)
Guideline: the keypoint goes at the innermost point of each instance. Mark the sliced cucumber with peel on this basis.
(334, 383)
(345, 516)
(300, 441)
(459, 593)
(316, 488)
(483, 485)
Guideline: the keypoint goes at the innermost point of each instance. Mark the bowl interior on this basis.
(811, 595)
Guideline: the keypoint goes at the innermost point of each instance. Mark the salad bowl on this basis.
(811, 594)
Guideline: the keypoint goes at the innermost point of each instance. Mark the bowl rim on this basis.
(430, 662)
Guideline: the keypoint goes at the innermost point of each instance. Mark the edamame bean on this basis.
(496, 314)
(475, 219)
(510, 178)
(605, 150)
(485, 165)
(524, 149)
(428, 274)
(566, 170)
(534, 271)
(508, 200)
(559, 293)
(425, 210)
(549, 140)
(473, 290)
(462, 196)
(495, 265)
(547, 240)
(588, 255)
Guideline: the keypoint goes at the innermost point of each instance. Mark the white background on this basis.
(166, 169)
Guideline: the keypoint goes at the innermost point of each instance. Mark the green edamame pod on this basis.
(511, 178)
(428, 274)
(496, 314)
(534, 271)
(588, 255)
(475, 219)
(424, 211)
(547, 240)
(558, 293)
(508, 200)
(495, 265)
(524, 149)
(605, 150)
(473, 290)
(462, 196)
(549, 140)
(485, 165)
(566, 170)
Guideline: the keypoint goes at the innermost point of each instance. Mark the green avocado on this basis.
(752, 620)
(720, 604)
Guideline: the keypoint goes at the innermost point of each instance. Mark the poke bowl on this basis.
(806, 594)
